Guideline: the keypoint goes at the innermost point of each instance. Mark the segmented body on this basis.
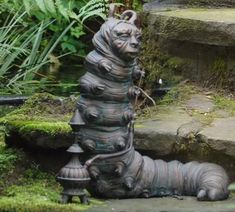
(107, 93)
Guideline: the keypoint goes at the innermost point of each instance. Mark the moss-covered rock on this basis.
(41, 122)
(207, 26)
(25, 187)
(215, 3)
(157, 64)
(192, 43)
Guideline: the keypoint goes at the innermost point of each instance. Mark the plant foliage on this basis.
(64, 12)
(38, 29)
(21, 52)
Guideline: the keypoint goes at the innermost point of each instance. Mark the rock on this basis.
(171, 131)
(220, 135)
(187, 204)
(189, 130)
(39, 139)
(202, 39)
(205, 26)
(160, 135)
(200, 103)
(179, 3)
(41, 122)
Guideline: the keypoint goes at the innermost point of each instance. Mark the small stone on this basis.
(160, 135)
(189, 130)
(200, 103)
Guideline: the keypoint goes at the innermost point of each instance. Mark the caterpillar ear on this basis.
(112, 8)
(130, 16)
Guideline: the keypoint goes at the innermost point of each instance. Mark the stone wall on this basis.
(200, 43)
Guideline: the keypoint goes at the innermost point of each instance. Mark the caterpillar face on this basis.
(126, 41)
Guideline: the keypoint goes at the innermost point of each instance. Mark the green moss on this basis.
(220, 75)
(178, 94)
(149, 113)
(159, 65)
(42, 112)
(37, 196)
(6, 109)
(209, 3)
(8, 158)
(51, 128)
(37, 191)
(225, 103)
(45, 104)
(2, 135)
(24, 187)
(203, 14)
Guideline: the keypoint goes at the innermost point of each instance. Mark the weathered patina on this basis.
(105, 106)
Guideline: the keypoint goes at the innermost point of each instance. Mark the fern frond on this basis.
(98, 12)
(93, 8)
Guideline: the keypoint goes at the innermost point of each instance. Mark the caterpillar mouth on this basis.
(132, 53)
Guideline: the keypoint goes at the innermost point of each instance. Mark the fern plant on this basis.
(64, 12)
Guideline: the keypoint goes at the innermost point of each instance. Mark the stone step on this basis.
(197, 25)
(187, 3)
(173, 132)
(194, 43)
(187, 204)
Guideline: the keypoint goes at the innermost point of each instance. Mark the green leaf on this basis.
(98, 12)
(39, 15)
(68, 46)
(27, 5)
(62, 9)
(77, 31)
(50, 6)
(41, 5)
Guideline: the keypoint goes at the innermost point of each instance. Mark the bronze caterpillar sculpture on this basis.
(107, 91)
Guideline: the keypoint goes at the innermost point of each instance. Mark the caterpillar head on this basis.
(119, 38)
(125, 39)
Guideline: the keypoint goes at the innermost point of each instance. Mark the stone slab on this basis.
(179, 3)
(200, 103)
(166, 204)
(204, 26)
(220, 135)
(160, 134)
(189, 130)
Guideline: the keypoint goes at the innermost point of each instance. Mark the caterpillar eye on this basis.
(125, 36)
(139, 37)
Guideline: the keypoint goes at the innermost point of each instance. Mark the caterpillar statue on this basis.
(105, 105)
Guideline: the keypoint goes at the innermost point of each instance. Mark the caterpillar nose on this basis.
(134, 43)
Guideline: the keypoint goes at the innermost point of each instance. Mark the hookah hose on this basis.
(117, 154)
